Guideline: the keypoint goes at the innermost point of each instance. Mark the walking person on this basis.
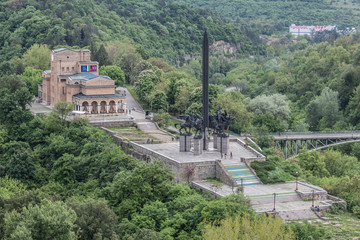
(231, 155)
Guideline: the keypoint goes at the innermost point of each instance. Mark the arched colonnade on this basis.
(101, 106)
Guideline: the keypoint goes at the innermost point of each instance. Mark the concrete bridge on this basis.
(291, 143)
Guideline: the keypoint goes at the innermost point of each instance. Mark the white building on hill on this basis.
(308, 30)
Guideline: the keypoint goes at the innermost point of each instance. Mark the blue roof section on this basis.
(85, 77)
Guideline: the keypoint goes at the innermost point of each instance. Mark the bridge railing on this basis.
(312, 133)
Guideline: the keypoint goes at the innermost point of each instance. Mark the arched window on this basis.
(94, 107)
(103, 107)
(112, 107)
(85, 106)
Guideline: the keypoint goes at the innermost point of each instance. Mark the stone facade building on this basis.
(75, 78)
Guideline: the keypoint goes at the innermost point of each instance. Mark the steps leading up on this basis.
(240, 171)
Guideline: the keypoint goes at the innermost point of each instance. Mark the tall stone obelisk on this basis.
(205, 85)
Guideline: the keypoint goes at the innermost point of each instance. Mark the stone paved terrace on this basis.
(172, 150)
(288, 204)
(253, 191)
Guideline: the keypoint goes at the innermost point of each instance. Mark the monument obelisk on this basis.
(205, 85)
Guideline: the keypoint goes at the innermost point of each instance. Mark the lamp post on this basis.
(274, 210)
(242, 185)
(313, 193)
(297, 175)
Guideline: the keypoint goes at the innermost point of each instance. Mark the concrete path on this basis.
(143, 124)
(287, 203)
(39, 108)
(150, 128)
(131, 103)
(172, 150)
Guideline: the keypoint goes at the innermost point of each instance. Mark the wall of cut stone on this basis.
(106, 124)
(223, 174)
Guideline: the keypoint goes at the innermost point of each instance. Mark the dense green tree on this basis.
(128, 61)
(145, 85)
(102, 56)
(162, 118)
(267, 120)
(304, 231)
(50, 220)
(314, 164)
(260, 227)
(115, 73)
(38, 57)
(95, 220)
(132, 190)
(158, 101)
(232, 102)
(63, 169)
(32, 78)
(62, 109)
(353, 109)
(275, 104)
(232, 205)
(152, 216)
(14, 100)
(323, 112)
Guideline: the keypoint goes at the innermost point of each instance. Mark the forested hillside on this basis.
(69, 180)
(166, 30)
(270, 16)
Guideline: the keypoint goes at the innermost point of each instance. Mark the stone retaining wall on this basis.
(127, 123)
(181, 170)
(248, 164)
(205, 189)
(319, 193)
(338, 200)
(124, 143)
(223, 175)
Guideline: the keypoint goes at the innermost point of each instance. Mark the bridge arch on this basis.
(291, 143)
(327, 146)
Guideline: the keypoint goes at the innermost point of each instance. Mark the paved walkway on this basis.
(287, 202)
(150, 128)
(172, 150)
(39, 108)
(131, 103)
(143, 124)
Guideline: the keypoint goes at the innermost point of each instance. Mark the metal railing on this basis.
(313, 133)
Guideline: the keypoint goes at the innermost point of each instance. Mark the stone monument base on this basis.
(198, 146)
(185, 143)
(215, 142)
(223, 144)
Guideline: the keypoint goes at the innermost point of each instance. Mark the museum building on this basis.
(75, 78)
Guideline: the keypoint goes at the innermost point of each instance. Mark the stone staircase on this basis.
(240, 171)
